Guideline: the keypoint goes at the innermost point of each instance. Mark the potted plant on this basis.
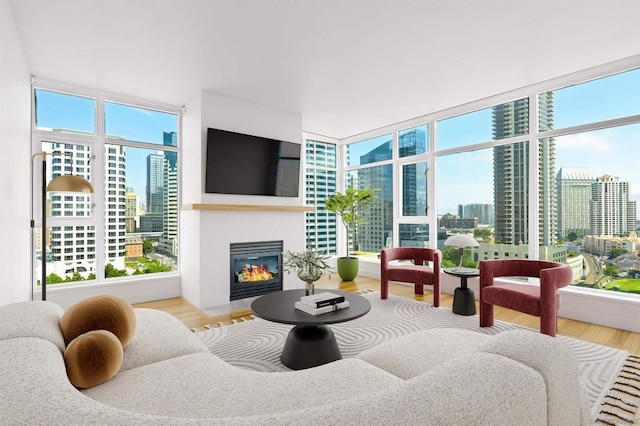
(308, 265)
(348, 206)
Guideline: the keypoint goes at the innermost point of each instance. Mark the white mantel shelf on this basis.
(248, 207)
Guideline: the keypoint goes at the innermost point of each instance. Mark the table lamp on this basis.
(461, 241)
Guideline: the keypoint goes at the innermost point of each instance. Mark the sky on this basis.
(467, 178)
(137, 124)
(463, 178)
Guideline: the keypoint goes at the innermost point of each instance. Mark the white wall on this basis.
(15, 189)
(15, 151)
(206, 235)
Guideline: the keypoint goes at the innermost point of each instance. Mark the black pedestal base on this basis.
(309, 346)
(464, 301)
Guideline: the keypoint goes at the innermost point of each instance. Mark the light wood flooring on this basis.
(620, 339)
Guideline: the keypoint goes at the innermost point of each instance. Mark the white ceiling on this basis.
(346, 66)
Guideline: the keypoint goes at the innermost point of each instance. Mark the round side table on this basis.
(464, 302)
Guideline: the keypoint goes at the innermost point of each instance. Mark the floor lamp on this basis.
(64, 183)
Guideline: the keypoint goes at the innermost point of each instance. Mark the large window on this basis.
(597, 189)
(129, 225)
(561, 185)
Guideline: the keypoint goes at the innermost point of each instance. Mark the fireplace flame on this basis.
(255, 273)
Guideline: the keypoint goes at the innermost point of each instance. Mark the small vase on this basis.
(309, 288)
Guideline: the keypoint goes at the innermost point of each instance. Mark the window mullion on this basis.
(99, 196)
(534, 179)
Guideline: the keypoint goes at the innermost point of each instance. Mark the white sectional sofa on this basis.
(169, 377)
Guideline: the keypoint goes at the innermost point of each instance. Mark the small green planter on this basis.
(348, 268)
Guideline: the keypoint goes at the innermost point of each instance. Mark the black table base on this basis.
(309, 346)
(464, 302)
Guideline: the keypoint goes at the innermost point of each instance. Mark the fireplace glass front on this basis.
(255, 268)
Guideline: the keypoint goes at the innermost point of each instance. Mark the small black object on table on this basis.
(464, 302)
(310, 343)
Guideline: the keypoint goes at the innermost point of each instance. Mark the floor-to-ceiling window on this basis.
(595, 130)
(547, 172)
(129, 151)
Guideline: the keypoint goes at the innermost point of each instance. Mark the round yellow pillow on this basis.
(93, 358)
(99, 313)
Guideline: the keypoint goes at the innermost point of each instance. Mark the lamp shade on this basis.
(70, 183)
(461, 241)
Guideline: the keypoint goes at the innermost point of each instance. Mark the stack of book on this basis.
(321, 303)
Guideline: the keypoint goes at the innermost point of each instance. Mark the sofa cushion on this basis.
(202, 385)
(32, 319)
(159, 336)
(93, 358)
(553, 360)
(103, 312)
(412, 354)
(35, 390)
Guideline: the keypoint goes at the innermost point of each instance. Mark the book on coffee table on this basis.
(323, 309)
(321, 299)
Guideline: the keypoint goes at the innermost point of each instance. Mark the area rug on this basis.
(612, 376)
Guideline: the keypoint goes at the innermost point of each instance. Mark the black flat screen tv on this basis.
(251, 165)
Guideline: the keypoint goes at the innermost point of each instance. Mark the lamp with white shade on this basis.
(461, 241)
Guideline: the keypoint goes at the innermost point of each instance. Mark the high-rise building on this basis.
(115, 232)
(73, 247)
(414, 183)
(611, 211)
(574, 197)
(170, 139)
(169, 240)
(378, 216)
(131, 210)
(168, 190)
(155, 179)
(372, 236)
(320, 182)
(152, 223)
(456, 223)
(512, 174)
(484, 212)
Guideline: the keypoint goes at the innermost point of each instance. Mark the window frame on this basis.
(534, 135)
(97, 143)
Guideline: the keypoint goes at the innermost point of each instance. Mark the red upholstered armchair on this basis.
(418, 274)
(540, 300)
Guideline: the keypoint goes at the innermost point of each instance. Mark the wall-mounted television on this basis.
(251, 165)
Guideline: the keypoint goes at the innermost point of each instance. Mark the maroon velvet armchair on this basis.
(540, 300)
(419, 274)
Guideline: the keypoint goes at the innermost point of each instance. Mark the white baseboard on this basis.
(142, 289)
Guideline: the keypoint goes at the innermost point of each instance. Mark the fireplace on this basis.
(256, 268)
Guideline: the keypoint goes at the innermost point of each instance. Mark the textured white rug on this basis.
(256, 344)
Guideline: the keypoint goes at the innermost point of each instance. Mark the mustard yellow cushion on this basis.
(93, 358)
(100, 313)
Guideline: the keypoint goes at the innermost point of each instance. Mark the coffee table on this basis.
(311, 342)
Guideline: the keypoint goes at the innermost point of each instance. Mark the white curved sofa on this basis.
(169, 377)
